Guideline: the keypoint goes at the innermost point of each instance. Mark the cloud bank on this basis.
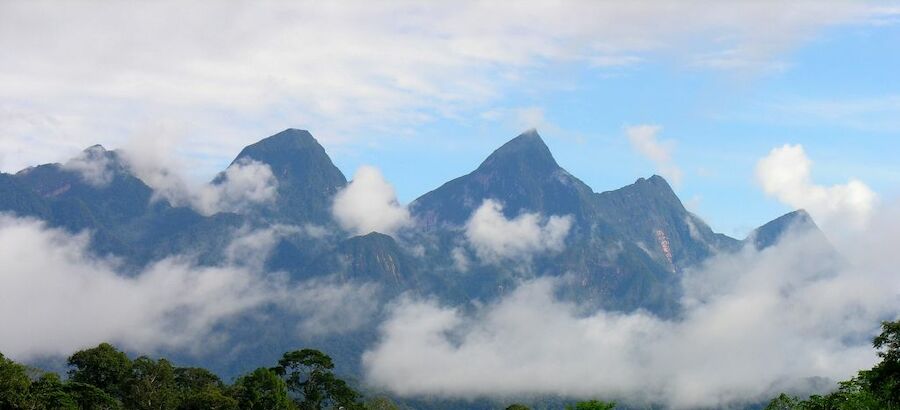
(786, 174)
(754, 324)
(496, 238)
(217, 69)
(59, 298)
(643, 140)
(369, 204)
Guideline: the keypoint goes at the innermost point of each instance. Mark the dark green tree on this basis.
(89, 397)
(262, 389)
(783, 402)
(381, 403)
(48, 393)
(151, 385)
(209, 398)
(14, 384)
(885, 376)
(517, 406)
(196, 379)
(309, 375)
(104, 367)
(592, 405)
(201, 389)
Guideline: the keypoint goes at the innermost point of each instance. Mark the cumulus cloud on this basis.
(786, 174)
(643, 140)
(348, 65)
(754, 323)
(368, 204)
(59, 298)
(496, 238)
(243, 184)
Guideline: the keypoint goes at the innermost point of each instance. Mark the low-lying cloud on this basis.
(59, 298)
(369, 204)
(496, 238)
(754, 323)
(786, 174)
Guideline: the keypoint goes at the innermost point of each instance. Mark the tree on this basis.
(517, 406)
(104, 367)
(196, 379)
(151, 385)
(14, 384)
(885, 376)
(90, 397)
(308, 374)
(209, 398)
(592, 405)
(783, 402)
(262, 389)
(381, 403)
(48, 393)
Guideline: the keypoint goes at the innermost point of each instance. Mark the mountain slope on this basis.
(522, 174)
(650, 215)
(307, 179)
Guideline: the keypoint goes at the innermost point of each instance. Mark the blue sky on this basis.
(721, 124)
(426, 92)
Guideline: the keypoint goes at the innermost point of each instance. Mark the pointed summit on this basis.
(525, 153)
(521, 174)
(307, 179)
(773, 231)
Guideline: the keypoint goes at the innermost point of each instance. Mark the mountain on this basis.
(374, 257)
(625, 249)
(307, 179)
(797, 222)
(98, 193)
(612, 270)
(649, 214)
(522, 174)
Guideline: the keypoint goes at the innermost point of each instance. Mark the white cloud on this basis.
(329, 306)
(786, 174)
(226, 71)
(245, 183)
(496, 238)
(369, 204)
(242, 185)
(460, 259)
(93, 166)
(643, 139)
(754, 324)
(59, 298)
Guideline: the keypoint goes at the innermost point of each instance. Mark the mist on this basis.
(753, 324)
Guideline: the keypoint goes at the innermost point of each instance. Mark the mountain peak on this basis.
(526, 151)
(95, 148)
(770, 233)
(655, 188)
(307, 179)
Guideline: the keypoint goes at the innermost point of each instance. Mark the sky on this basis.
(697, 91)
